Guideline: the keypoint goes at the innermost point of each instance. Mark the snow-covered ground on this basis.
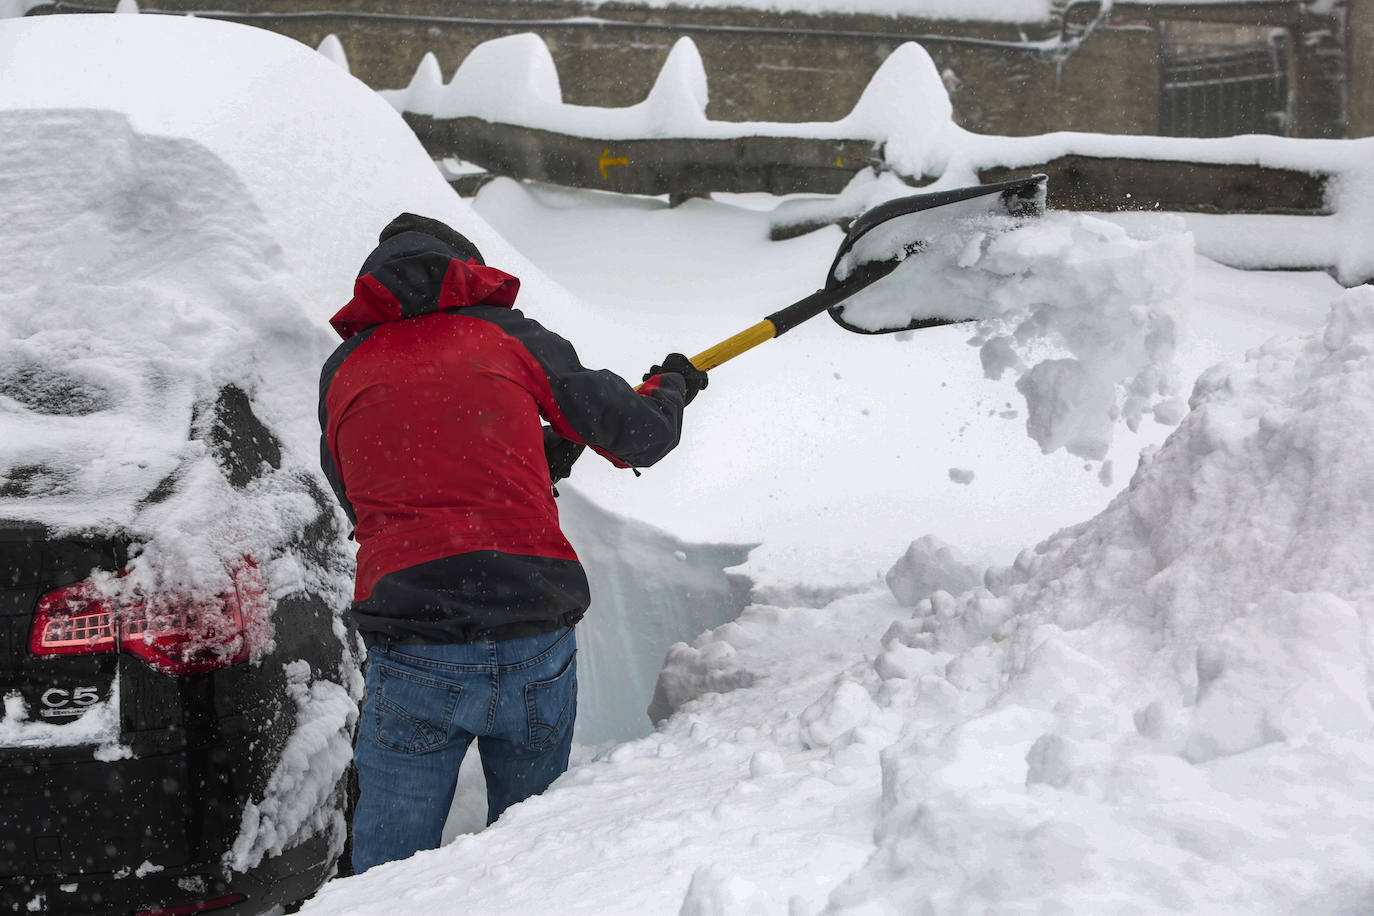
(1163, 707)
(1154, 711)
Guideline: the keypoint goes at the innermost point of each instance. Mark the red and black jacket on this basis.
(430, 415)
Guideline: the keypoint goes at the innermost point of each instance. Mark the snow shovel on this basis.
(878, 242)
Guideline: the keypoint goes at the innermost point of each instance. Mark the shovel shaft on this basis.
(780, 322)
(731, 347)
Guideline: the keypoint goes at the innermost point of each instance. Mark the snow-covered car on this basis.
(178, 684)
(147, 728)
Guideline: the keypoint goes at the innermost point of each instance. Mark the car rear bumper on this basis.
(80, 835)
(284, 879)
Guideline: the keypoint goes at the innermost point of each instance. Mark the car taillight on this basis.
(175, 634)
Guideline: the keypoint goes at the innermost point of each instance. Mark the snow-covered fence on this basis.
(503, 110)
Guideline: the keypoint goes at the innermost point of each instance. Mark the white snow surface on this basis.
(1164, 708)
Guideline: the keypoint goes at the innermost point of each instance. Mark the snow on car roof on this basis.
(188, 202)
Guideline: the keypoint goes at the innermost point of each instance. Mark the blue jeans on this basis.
(424, 706)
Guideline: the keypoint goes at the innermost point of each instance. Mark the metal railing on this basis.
(1224, 90)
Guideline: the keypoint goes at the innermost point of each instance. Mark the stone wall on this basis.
(793, 67)
(1360, 67)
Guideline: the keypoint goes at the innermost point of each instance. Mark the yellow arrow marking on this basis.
(607, 161)
(839, 162)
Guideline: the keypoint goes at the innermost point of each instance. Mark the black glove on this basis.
(561, 454)
(676, 362)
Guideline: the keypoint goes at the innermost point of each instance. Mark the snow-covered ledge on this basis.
(504, 105)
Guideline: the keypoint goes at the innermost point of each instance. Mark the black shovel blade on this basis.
(881, 240)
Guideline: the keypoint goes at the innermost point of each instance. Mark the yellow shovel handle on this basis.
(731, 347)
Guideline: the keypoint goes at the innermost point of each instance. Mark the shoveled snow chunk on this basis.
(930, 565)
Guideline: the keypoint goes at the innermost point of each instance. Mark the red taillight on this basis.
(75, 620)
(185, 909)
(174, 634)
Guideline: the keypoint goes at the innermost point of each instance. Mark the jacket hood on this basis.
(413, 274)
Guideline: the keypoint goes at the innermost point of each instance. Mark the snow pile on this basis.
(719, 811)
(1168, 703)
(333, 50)
(905, 108)
(930, 565)
(1082, 312)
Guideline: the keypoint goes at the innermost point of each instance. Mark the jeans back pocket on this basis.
(413, 712)
(550, 706)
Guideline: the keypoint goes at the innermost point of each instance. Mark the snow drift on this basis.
(1164, 709)
(1166, 702)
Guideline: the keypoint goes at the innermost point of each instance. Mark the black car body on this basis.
(143, 751)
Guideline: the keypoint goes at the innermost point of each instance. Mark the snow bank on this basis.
(650, 590)
(1165, 704)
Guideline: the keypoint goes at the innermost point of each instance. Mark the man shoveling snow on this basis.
(467, 591)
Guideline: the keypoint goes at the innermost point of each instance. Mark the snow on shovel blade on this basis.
(907, 254)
